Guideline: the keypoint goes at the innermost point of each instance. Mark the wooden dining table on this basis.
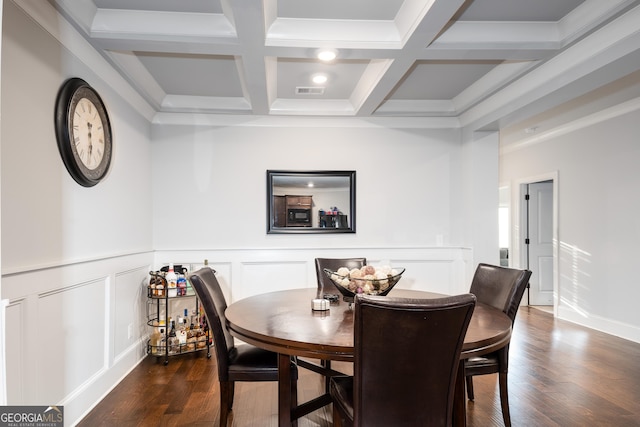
(284, 323)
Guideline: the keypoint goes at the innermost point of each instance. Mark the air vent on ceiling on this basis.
(309, 90)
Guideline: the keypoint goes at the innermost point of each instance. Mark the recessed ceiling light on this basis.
(319, 79)
(310, 185)
(327, 55)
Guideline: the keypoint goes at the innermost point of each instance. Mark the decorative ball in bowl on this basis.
(367, 280)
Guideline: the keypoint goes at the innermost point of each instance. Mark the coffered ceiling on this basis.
(395, 58)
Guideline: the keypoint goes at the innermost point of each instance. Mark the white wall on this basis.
(480, 200)
(47, 218)
(419, 191)
(210, 182)
(74, 258)
(596, 161)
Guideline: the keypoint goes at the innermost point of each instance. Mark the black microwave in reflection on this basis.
(299, 216)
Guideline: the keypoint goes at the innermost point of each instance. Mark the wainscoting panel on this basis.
(16, 354)
(128, 317)
(261, 277)
(223, 271)
(432, 275)
(245, 272)
(72, 338)
(74, 330)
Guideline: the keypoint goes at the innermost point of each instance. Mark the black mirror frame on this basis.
(311, 230)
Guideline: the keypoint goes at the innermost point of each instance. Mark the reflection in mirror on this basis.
(311, 201)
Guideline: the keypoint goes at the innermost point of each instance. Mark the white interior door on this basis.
(540, 242)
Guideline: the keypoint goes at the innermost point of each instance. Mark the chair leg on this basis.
(337, 417)
(226, 401)
(469, 379)
(294, 392)
(327, 379)
(504, 399)
(294, 397)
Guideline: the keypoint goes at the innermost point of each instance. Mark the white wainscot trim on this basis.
(599, 323)
(74, 331)
(246, 272)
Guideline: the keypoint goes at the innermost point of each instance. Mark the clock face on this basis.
(83, 132)
(88, 133)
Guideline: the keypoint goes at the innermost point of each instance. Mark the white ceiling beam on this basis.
(162, 27)
(435, 18)
(206, 34)
(605, 55)
(497, 35)
(131, 67)
(256, 76)
(410, 16)
(494, 80)
(335, 33)
(588, 15)
(317, 107)
(416, 107)
(205, 104)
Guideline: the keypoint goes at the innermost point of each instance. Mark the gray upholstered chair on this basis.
(235, 363)
(502, 288)
(407, 356)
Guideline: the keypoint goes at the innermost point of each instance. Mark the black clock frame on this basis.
(71, 92)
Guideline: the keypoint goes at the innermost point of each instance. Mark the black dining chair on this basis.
(502, 288)
(325, 285)
(235, 363)
(406, 359)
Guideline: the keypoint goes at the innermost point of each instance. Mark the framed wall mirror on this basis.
(311, 201)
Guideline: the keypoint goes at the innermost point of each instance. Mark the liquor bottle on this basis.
(152, 287)
(154, 341)
(182, 286)
(192, 326)
(160, 289)
(172, 282)
(162, 346)
(185, 319)
(182, 332)
(173, 339)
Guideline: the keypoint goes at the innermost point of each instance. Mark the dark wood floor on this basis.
(560, 374)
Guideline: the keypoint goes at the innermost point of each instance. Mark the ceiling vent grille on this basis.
(309, 90)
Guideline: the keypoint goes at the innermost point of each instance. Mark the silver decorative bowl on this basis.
(350, 285)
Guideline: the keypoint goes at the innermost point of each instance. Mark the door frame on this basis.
(519, 227)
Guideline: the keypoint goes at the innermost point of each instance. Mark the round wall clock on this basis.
(83, 132)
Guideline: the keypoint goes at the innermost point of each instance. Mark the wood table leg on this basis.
(284, 390)
(459, 404)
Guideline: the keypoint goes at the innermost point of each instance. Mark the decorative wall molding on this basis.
(574, 125)
(82, 312)
(599, 323)
(276, 121)
(246, 272)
